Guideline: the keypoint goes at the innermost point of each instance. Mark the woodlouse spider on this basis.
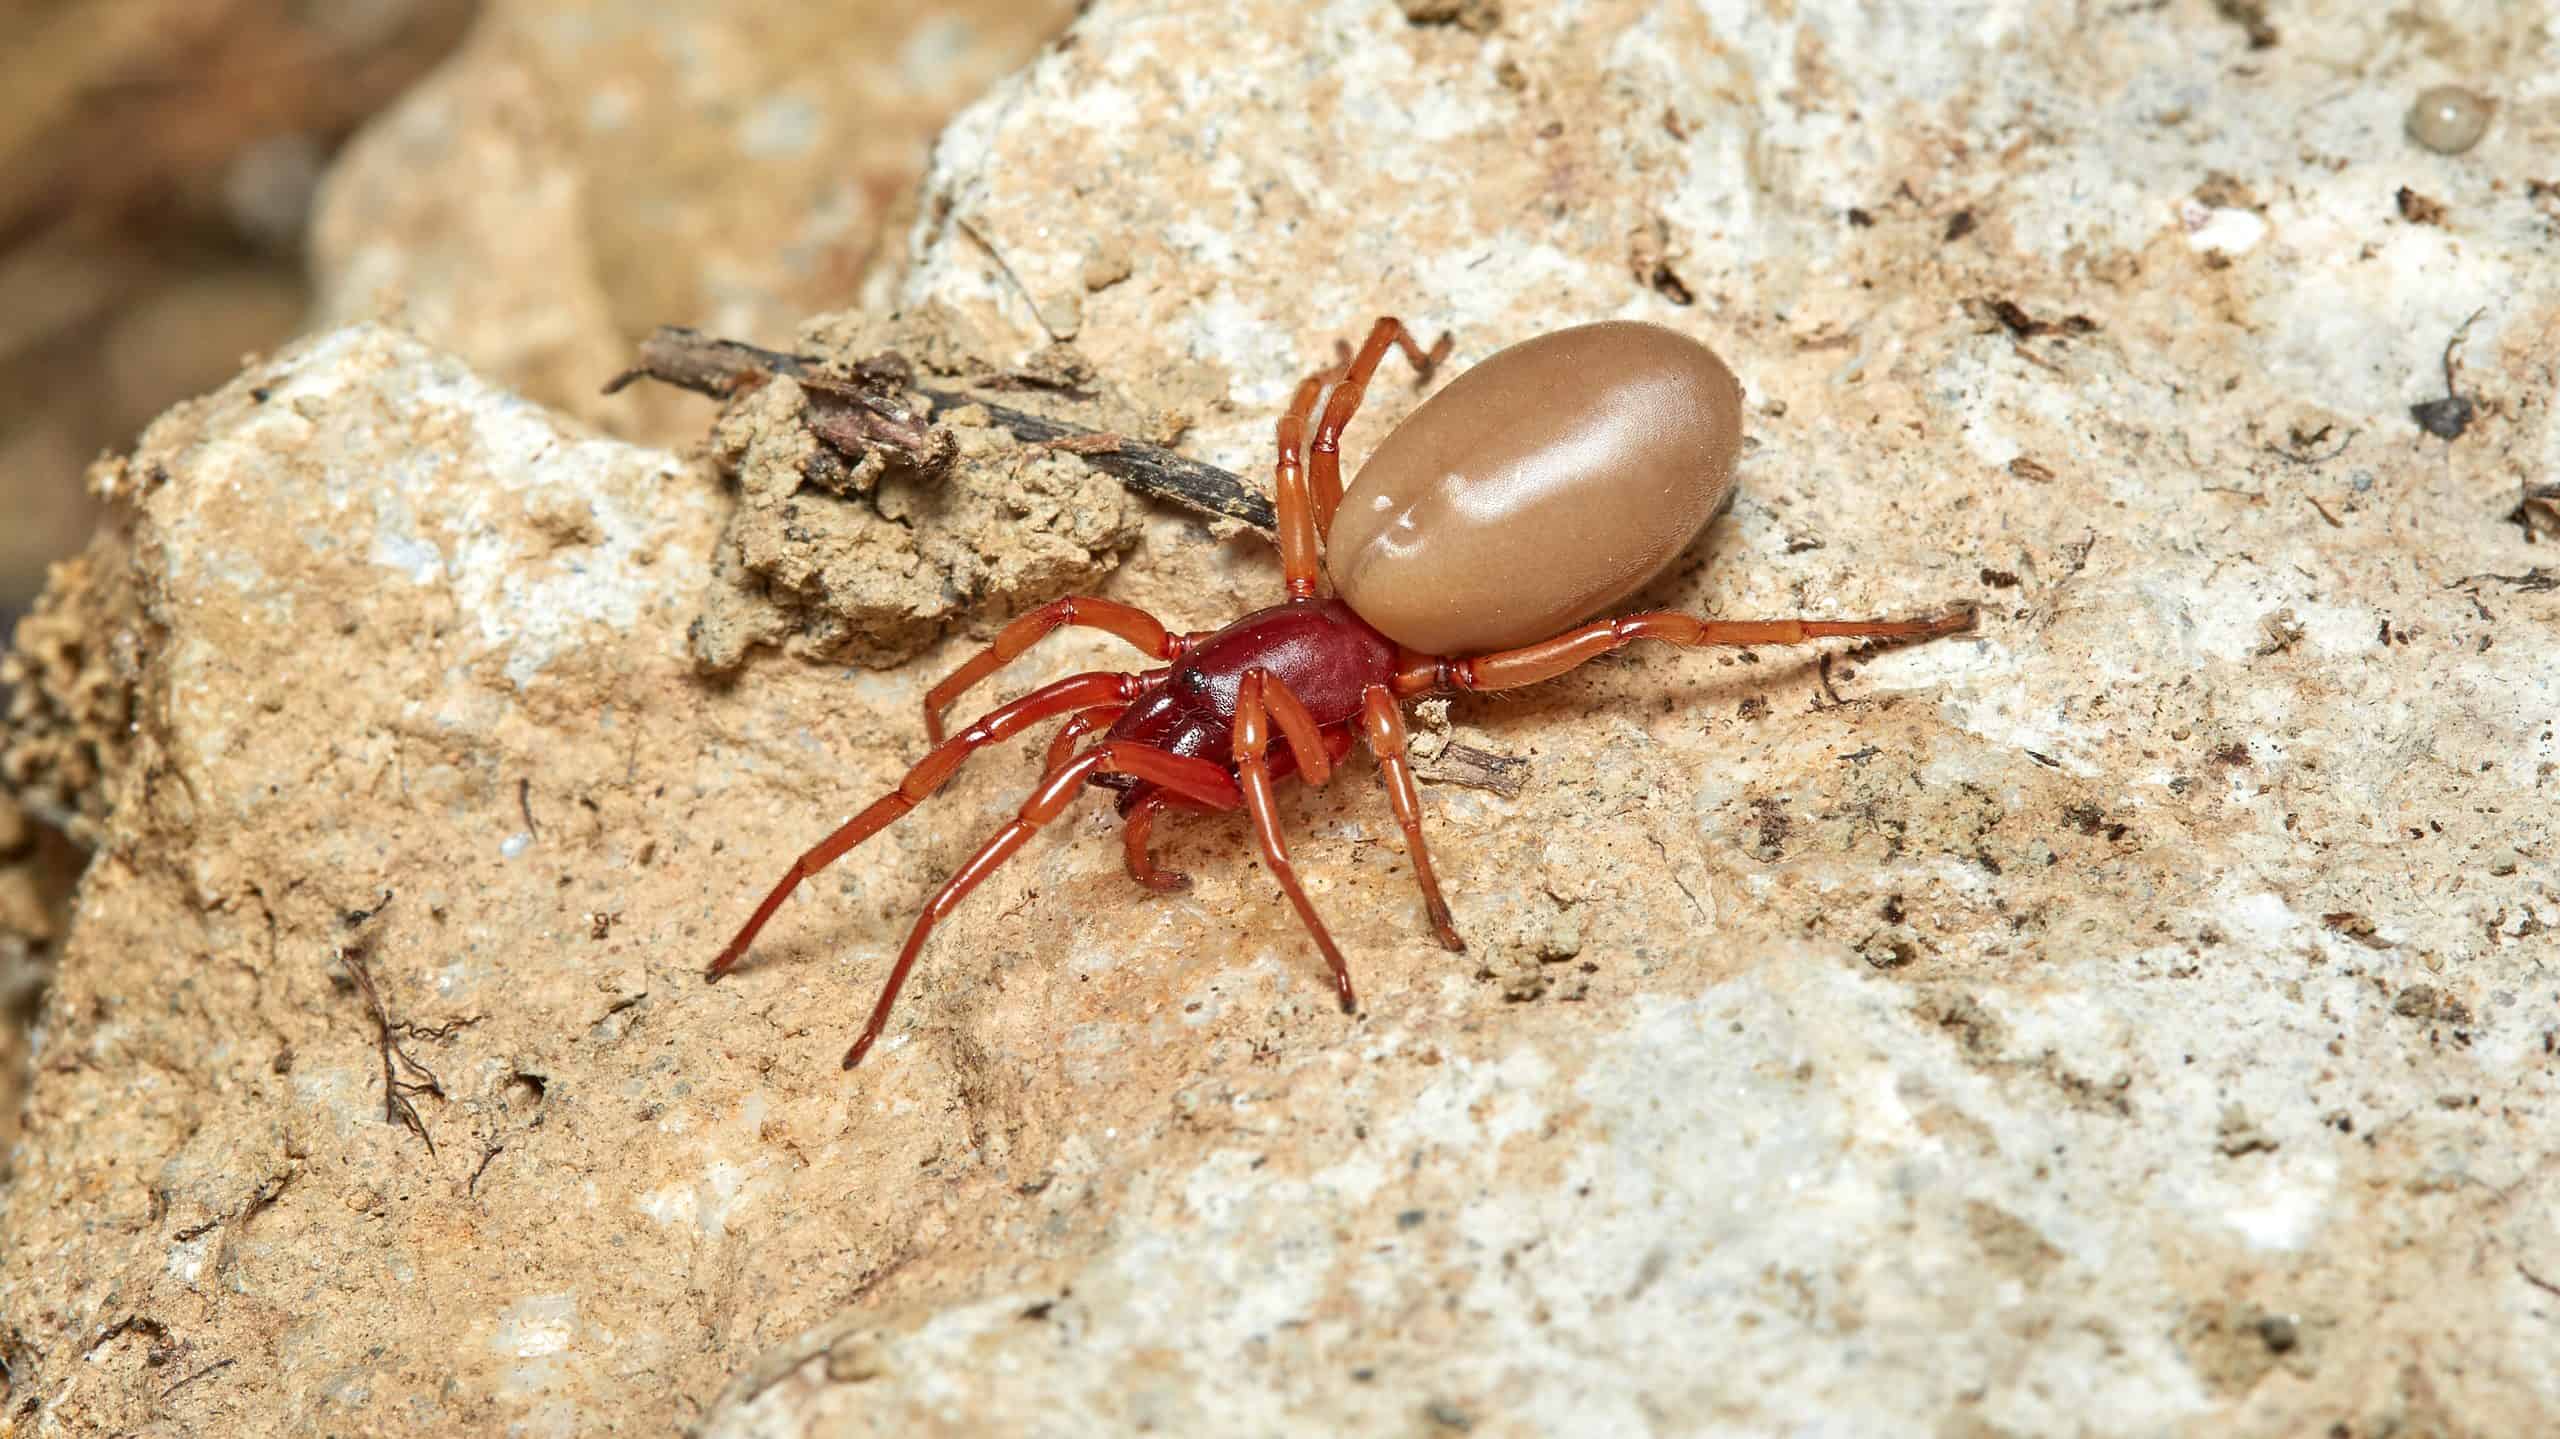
(1540, 487)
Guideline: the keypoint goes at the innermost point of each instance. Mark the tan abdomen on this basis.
(1545, 484)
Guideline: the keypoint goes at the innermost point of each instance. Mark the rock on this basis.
(37, 870)
(2126, 1137)
(329, 624)
(585, 170)
(144, 147)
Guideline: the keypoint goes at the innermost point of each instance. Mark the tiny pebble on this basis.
(2448, 119)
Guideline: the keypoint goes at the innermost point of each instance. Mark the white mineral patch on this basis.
(2226, 230)
(535, 1327)
(708, 1203)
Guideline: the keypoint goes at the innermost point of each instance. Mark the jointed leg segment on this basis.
(1078, 725)
(1127, 621)
(1314, 754)
(1193, 779)
(1139, 827)
(1307, 486)
(1298, 727)
(928, 775)
(1511, 669)
(1253, 774)
(1299, 558)
(1324, 458)
(1385, 729)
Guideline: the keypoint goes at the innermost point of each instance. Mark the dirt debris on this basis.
(871, 559)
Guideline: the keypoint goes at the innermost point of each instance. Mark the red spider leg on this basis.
(1306, 739)
(1127, 621)
(1299, 559)
(1148, 803)
(1384, 726)
(1196, 780)
(1253, 772)
(1527, 665)
(1083, 723)
(1324, 457)
(928, 775)
(1141, 825)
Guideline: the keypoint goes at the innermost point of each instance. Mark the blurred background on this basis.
(531, 183)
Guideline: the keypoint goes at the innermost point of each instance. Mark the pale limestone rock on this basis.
(584, 170)
(1905, 1114)
(2135, 1019)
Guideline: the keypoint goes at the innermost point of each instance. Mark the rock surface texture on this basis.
(2138, 1018)
(585, 170)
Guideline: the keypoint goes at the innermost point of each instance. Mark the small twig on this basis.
(1148, 469)
(446, 1030)
(1672, 872)
(130, 1324)
(2447, 418)
(2538, 580)
(722, 369)
(524, 804)
(215, 1367)
(2324, 512)
(691, 360)
(1823, 672)
(1011, 278)
(396, 1106)
(488, 1155)
(2011, 316)
(2300, 453)
(358, 918)
(2454, 344)
(1474, 768)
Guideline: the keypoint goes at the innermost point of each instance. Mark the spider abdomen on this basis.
(1538, 488)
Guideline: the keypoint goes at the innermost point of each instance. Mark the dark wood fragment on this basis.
(1460, 764)
(868, 411)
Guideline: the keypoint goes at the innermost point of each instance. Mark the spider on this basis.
(1542, 486)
